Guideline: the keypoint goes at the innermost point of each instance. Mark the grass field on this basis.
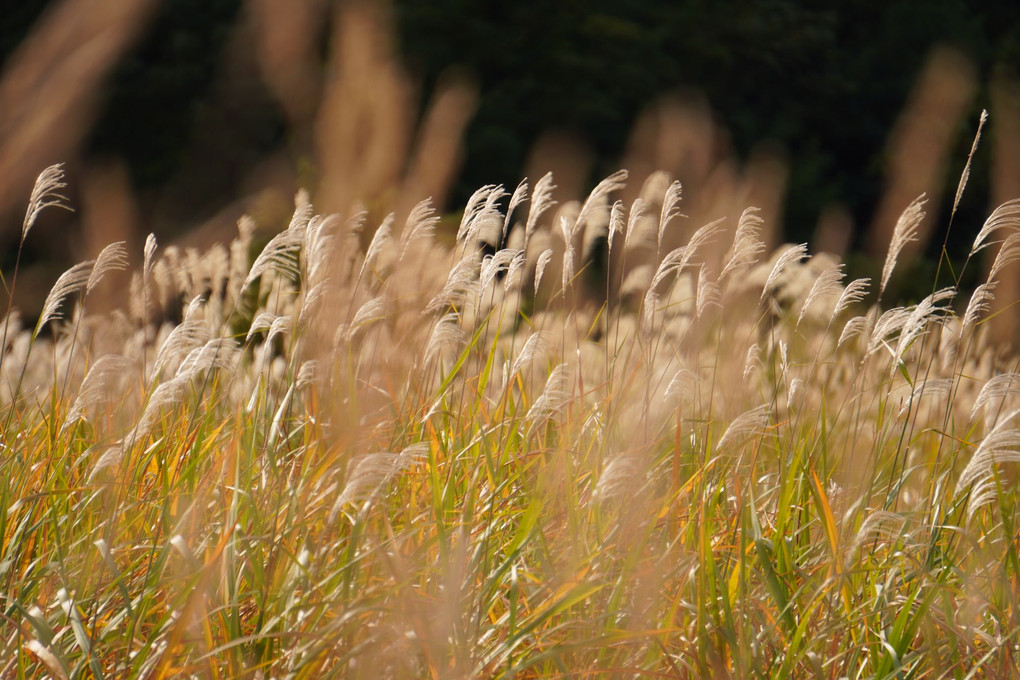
(392, 450)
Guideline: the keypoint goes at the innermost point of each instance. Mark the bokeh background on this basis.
(176, 117)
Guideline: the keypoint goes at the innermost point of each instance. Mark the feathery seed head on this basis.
(905, 232)
(45, 194)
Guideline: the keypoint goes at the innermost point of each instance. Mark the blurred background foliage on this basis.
(824, 81)
(193, 121)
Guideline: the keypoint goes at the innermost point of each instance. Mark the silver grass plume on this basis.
(166, 394)
(543, 261)
(69, 283)
(676, 260)
(620, 478)
(616, 224)
(112, 258)
(784, 358)
(519, 196)
(182, 339)
(282, 252)
(925, 388)
(965, 175)
(796, 389)
(827, 284)
(748, 424)
(923, 313)
(45, 194)
(566, 231)
(309, 373)
(1000, 446)
(461, 280)
(638, 211)
(852, 294)
(481, 212)
(649, 306)
(878, 524)
(347, 249)
(594, 427)
(221, 353)
(302, 211)
(147, 254)
(368, 474)
(888, 324)
(194, 307)
(541, 200)
(986, 488)
(1008, 254)
(493, 264)
(280, 325)
(701, 237)
(420, 225)
(100, 379)
(708, 294)
(267, 321)
(980, 302)
(447, 333)
(239, 249)
(371, 311)
(490, 219)
(383, 235)
(355, 223)
(141, 290)
(311, 300)
(279, 255)
(553, 398)
(474, 206)
(112, 455)
(857, 326)
(318, 249)
(515, 270)
(905, 232)
(683, 384)
(790, 256)
(670, 209)
(536, 344)
(672, 263)
(614, 182)
(996, 390)
(747, 243)
(1006, 216)
(567, 270)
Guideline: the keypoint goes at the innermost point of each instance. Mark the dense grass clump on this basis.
(402, 450)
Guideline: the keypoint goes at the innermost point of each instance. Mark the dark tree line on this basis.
(824, 80)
